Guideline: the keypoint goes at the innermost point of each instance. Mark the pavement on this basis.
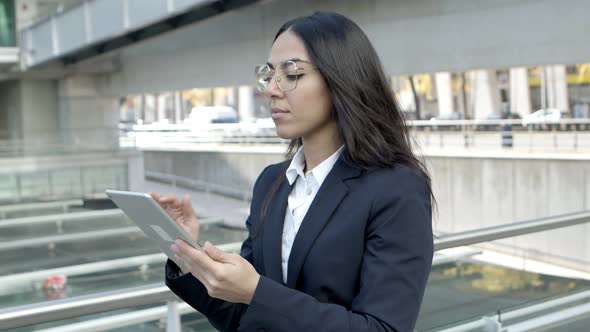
(233, 211)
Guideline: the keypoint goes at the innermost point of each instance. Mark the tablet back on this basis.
(154, 221)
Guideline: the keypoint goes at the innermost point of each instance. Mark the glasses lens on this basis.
(263, 76)
(287, 75)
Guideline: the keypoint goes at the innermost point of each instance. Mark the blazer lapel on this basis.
(331, 193)
(273, 232)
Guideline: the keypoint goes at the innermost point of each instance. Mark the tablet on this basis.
(152, 219)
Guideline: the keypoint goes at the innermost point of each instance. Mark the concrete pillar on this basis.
(161, 107)
(444, 94)
(246, 103)
(485, 94)
(28, 111)
(520, 92)
(232, 97)
(219, 96)
(40, 117)
(557, 93)
(177, 107)
(86, 117)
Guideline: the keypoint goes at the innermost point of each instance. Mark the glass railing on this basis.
(491, 285)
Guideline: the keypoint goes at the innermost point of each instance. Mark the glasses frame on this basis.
(262, 86)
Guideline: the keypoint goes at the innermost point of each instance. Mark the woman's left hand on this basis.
(226, 276)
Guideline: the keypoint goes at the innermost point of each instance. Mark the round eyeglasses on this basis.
(286, 75)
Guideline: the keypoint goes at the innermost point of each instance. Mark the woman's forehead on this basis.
(288, 46)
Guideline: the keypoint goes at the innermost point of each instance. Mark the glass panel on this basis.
(7, 24)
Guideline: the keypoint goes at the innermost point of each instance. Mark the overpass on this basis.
(74, 67)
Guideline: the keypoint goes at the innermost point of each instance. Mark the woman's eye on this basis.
(292, 77)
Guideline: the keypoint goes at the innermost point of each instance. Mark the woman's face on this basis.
(305, 111)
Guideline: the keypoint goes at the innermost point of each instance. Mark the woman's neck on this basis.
(319, 148)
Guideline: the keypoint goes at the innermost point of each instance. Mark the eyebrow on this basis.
(292, 59)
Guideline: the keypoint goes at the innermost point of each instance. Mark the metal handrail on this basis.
(83, 305)
(155, 293)
(41, 205)
(9, 284)
(510, 230)
(527, 325)
(38, 313)
(126, 319)
(81, 236)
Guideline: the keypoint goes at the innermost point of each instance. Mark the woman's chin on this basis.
(286, 134)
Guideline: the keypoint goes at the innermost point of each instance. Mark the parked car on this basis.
(543, 116)
(212, 114)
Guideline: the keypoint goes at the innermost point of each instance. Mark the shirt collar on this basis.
(320, 172)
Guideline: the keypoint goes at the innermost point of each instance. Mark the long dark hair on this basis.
(368, 117)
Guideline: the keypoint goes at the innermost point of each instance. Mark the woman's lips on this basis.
(277, 113)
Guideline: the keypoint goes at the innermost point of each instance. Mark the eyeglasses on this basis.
(286, 75)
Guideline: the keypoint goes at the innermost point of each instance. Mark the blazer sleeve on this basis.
(396, 263)
(223, 315)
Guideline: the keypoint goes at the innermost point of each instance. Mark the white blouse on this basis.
(301, 196)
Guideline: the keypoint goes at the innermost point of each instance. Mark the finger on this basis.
(169, 199)
(197, 272)
(155, 195)
(187, 207)
(215, 253)
(198, 258)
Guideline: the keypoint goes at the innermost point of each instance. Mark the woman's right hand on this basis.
(181, 211)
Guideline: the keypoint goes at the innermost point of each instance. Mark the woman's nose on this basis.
(272, 89)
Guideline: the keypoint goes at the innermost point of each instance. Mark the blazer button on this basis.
(261, 330)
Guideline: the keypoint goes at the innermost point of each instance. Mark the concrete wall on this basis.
(472, 192)
(39, 111)
(86, 117)
(28, 110)
(68, 176)
(230, 173)
(410, 36)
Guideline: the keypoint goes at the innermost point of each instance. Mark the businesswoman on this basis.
(340, 235)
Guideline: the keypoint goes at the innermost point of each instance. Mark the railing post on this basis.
(492, 324)
(173, 317)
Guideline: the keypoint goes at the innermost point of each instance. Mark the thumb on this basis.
(215, 253)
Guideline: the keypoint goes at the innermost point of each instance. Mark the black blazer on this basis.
(359, 262)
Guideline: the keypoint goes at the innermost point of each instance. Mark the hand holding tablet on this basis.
(163, 219)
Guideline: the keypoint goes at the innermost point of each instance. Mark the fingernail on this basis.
(174, 248)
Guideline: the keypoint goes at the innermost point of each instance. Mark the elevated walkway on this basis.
(234, 211)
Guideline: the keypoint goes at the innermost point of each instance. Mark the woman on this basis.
(340, 235)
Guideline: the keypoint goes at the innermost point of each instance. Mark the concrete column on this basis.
(246, 103)
(444, 94)
(232, 97)
(557, 94)
(177, 107)
(219, 96)
(28, 111)
(161, 107)
(39, 111)
(86, 117)
(520, 92)
(485, 94)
